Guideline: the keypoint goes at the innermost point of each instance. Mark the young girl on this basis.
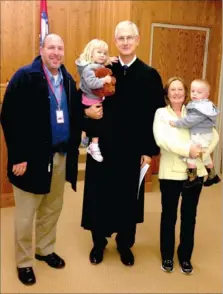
(94, 56)
(200, 119)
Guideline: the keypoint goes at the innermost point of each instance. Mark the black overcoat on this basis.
(25, 119)
(110, 193)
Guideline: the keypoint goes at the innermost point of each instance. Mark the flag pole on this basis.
(44, 23)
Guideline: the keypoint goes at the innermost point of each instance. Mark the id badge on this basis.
(60, 117)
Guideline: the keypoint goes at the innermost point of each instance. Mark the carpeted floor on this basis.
(111, 276)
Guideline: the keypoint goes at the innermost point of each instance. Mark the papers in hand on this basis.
(142, 175)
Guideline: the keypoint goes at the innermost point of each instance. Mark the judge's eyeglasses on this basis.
(128, 39)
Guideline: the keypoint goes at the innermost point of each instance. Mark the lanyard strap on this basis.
(52, 89)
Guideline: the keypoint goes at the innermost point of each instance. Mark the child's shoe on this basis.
(212, 181)
(94, 150)
(193, 179)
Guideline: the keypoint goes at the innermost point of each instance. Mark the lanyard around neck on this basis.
(52, 89)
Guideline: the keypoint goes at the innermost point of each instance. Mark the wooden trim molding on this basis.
(217, 154)
(2, 91)
(148, 180)
(7, 200)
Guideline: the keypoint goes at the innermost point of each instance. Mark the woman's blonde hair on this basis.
(166, 88)
(87, 54)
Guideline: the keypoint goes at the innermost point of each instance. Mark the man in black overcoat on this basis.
(41, 119)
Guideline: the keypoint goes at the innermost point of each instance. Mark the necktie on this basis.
(125, 68)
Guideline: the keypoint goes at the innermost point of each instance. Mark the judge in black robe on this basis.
(111, 201)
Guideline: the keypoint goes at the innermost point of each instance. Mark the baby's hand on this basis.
(172, 123)
(114, 59)
(107, 80)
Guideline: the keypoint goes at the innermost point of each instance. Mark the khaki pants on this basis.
(46, 208)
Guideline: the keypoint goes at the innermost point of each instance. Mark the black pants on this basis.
(170, 193)
(124, 239)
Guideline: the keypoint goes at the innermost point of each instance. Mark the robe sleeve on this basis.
(154, 99)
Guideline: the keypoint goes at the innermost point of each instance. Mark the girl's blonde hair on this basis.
(87, 54)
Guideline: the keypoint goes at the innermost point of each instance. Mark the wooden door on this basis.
(177, 50)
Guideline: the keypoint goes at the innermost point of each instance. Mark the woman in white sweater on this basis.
(174, 144)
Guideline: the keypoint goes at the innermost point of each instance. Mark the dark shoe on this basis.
(52, 260)
(186, 267)
(213, 181)
(127, 257)
(192, 183)
(192, 179)
(96, 255)
(26, 275)
(167, 265)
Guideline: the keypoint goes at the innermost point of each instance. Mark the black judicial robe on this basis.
(110, 193)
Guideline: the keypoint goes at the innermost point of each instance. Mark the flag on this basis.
(44, 25)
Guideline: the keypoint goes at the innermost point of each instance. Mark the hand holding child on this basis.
(114, 59)
(172, 123)
(195, 150)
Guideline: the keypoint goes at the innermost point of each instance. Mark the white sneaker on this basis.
(95, 152)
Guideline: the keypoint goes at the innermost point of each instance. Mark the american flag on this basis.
(44, 24)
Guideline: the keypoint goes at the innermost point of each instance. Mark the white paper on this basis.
(142, 175)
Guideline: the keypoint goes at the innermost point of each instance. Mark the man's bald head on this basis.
(52, 52)
(51, 36)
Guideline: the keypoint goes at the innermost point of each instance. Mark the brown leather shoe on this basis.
(26, 275)
(52, 260)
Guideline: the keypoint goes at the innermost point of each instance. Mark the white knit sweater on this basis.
(174, 143)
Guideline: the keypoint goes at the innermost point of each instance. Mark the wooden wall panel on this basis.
(205, 13)
(105, 15)
(17, 36)
(72, 21)
(76, 21)
(2, 92)
(80, 17)
(80, 21)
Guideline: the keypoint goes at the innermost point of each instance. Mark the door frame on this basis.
(172, 26)
(217, 154)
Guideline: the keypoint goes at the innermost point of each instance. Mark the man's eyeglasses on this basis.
(128, 39)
